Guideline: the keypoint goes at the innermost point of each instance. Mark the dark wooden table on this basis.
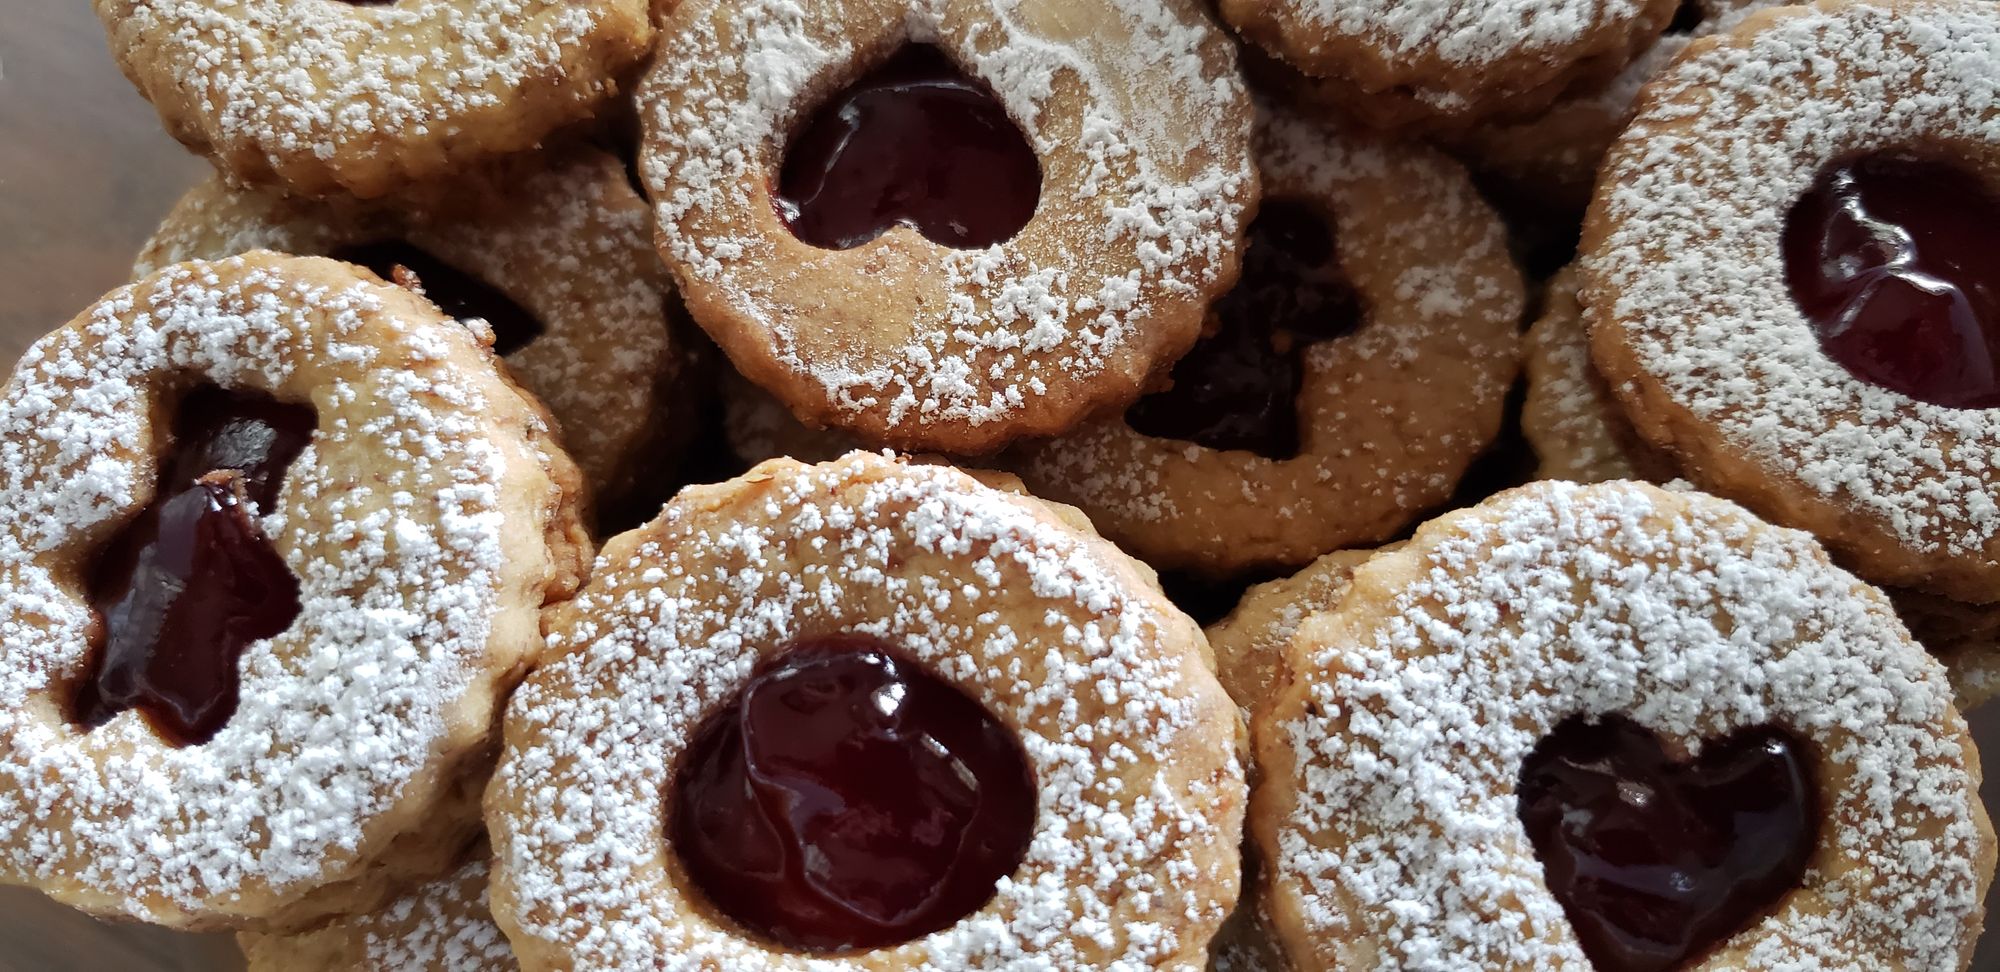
(85, 173)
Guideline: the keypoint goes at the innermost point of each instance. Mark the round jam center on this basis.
(914, 142)
(848, 799)
(1893, 261)
(1239, 388)
(188, 584)
(1657, 862)
(455, 292)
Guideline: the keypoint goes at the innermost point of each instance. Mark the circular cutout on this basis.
(848, 800)
(1132, 859)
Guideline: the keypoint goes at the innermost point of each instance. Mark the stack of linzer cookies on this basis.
(737, 485)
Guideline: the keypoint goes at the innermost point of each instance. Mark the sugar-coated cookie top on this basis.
(1157, 212)
(441, 926)
(399, 568)
(1058, 641)
(1451, 659)
(319, 75)
(1688, 257)
(1469, 33)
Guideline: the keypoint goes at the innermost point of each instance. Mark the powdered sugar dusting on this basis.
(441, 927)
(399, 564)
(569, 241)
(1466, 33)
(293, 83)
(1142, 128)
(1133, 862)
(1455, 656)
(1441, 303)
(1687, 264)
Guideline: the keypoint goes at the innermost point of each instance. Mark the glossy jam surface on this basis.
(1657, 862)
(848, 799)
(915, 142)
(1239, 388)
(192, 580)
(454, 291)
(1894, 261)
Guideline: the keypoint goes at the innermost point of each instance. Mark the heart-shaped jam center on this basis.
(1657, 862)
(1893, 261)
(849, 799)
(455, 292)
(915, 142)
(1239, 387)
(181, 590)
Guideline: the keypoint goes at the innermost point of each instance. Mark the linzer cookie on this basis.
(1788, 276)
(945, 227)
(1440, 64)
(274, 544)
(867, 715)
(555, 255)
(1354, 373)
(366, 97)
(1615, 727)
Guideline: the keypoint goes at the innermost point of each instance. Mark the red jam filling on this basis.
(181, 590)
(1239, 388)
(1657, 862)
(455, 292)
(1893, 261)
(848, 799)
(915, 142)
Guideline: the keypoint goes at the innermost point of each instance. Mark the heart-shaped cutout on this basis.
(1239, 388)
(1891, 259)
(1657, 862)
(914, 142)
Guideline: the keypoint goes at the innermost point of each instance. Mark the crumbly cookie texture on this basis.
(1696, 330)
(440, 926)
(428, 522)
(332, 98)
(1132, 742)
(1576, 425)
(1442, 64)
(1252, 643)
(1391, 416)
(1140, 119)
(565, 236)
(1387, 806)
